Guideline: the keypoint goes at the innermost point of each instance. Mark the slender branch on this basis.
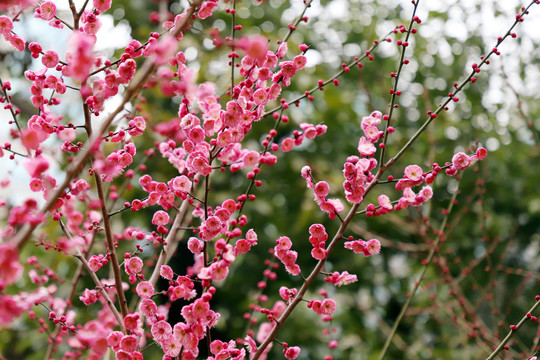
(233, 32)
(300, 17)
(78, 274)
(519, 105)
(107, 225)
(281, 109)
(103, 292)
(417, 283)
(335, 240)
(75, 14)
(96, 280)
(13, 114)
(315, 272)
(117, 61)
(110, 244)
(252, 182)
(319, 87)
(82, 8)
(513, 331)
(205, 205)
(433, 116)
(172, 239)
(309, 280)
(392, 104)
(78, 163)
(74, 283)
(13, 152)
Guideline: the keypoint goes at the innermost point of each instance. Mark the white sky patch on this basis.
(111, 37)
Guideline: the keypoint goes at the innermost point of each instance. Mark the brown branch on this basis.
(78, 163)
(103, 292)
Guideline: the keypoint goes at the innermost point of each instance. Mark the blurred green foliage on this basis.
(485, 274)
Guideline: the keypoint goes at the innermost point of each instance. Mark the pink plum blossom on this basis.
(160, 218)
(413, 172)
(133, 265)
(161, 331)
(166, 272)
(340, 279)
(102, 5)
(10, 268)
(145, 289)
(80, 58)
(365, 147)
(291, 352)
(148, 307)
(47, 10)
(461, 160)
(50, 59)
(6, 25)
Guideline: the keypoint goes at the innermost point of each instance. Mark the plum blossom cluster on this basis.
(357, 173)
(11, 268)
(340, 279)
(322, 307)
(287, 294)
(160, 219)
(310, 131)
(115, 163)
(215, 224)
(370, 247)
(225, 253)
(184, 336)
(291, 352)
(356, 170)
(218, 223)
(282, 250)
(207, 137)
(218, 270)
(96, 262)
(6, 28)
(372, 134)
(89, 297)
(124, 346)
(27, 213)
(317, 238)
(321, 190)
(181, 288)
(414, 176)
(225, 128)
(242, 246)
(133, 266)
(461, 161)
(162, 194)
(91, 24)
(288, 68)
(42, 83)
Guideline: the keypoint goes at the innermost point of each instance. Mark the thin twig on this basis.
(396, 81)
(417, 283)
(78, 163)
(103, 292)
(512, 332)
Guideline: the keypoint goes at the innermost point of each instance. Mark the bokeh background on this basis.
(484, 276)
